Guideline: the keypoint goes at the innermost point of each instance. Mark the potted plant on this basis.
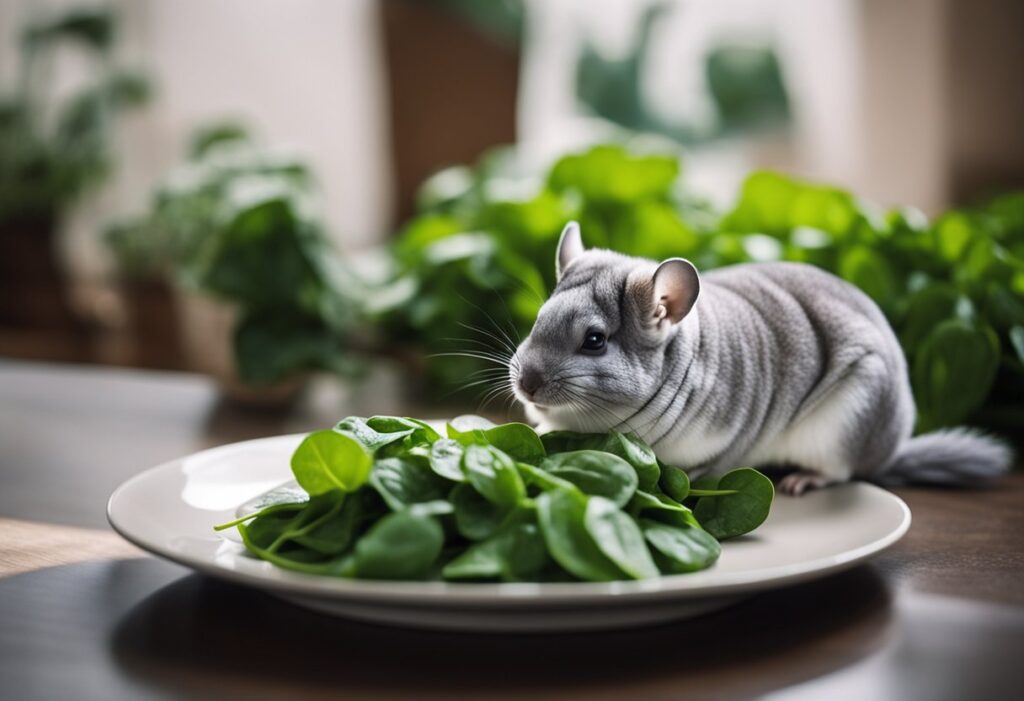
(52, 152)
(264, 296)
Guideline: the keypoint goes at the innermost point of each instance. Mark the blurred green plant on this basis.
(472, 268)
(745, 84)
(54, 150)
(235, 222)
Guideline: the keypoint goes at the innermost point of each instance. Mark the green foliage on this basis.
(595, 473)
(52, 150)
(745, 85)
(329, 460)
(235, 222)
(480, 255)
(741, 511)
(387, 503)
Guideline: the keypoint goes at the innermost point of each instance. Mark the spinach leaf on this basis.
(402, 545)
(334, 535)
(405, 481)
(619, 538)
(518, 441)
(561, 516)
(735, 514)
(675, 483)
(595, 472)
(543, 479)
(371, 439)
(515, 554)
(468, 423)
(679, 549)
(446, 459)
(638, 454)
(278, 530)
(414, 436)
(493, 474)
(660, 507)
(328, 460)
(626, 446)
(302, 560)
(476, 518)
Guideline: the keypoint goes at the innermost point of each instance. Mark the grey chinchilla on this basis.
(755, 364)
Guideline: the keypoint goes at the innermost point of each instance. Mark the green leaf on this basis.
(675, 483)
(328, 460)
(402, 482)
(596, 473)
(476, 518)
(467, 423)
(334, 535)
(626, 446)
(561, 516)
(925, 309)
(402, 545)
(619, 538)
(446, 459)
(512, 555)
(736, 514)
(371, 439)
(679, 549)
(518, 441)
(953, 371)
(953, 234)
(422, 432)
(493, 474)
(871, 272)
(542, 479)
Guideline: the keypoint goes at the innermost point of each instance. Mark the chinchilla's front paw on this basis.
(797, 483)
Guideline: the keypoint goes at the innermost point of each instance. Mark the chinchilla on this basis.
(762, 364)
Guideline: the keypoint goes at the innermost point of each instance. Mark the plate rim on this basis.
(505, 594)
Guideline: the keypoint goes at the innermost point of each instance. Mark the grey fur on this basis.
(776, 363)
(957, 456)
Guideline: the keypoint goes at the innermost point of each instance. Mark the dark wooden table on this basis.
(83, 615)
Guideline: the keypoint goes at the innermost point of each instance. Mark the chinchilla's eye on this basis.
(594, 342)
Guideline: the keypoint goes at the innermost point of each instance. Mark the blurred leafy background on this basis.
(387, 186)
(952, 288)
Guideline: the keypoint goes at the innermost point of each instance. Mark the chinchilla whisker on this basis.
(496, 372)
(523, 286)
(483, 311)
(594, 406)
(502, 340)
(471, 354)
(511, 323)
(488, 347)
(492, 396)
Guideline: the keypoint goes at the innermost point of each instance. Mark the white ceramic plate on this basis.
(170, 511)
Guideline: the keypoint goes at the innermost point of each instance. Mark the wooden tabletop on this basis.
(84, 615)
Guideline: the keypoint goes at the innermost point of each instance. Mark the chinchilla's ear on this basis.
(676, 286)
(570, 245)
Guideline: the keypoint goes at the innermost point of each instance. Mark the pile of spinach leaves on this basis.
(390, 498)
(479, 254)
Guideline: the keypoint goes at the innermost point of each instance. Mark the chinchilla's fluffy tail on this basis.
(955, 457)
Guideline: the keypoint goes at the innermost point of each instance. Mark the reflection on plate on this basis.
(170, 511)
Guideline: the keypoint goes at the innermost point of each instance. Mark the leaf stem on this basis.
(711, 492)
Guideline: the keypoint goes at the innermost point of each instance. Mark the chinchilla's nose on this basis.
(530, 380)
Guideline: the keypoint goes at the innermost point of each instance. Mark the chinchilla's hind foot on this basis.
(801, 481)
